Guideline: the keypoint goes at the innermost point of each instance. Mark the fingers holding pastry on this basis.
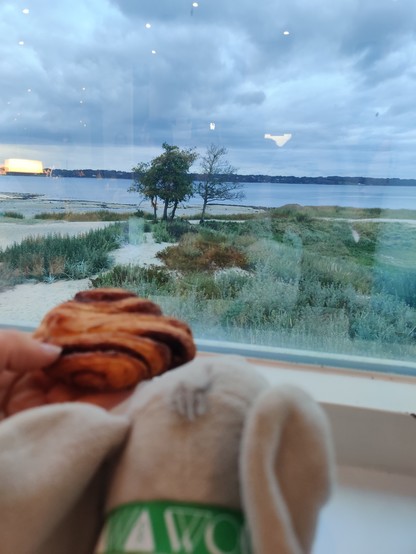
(20, 352)
(21, 355)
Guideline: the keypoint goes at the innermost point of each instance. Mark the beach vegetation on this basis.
(146, 281)
(172, 231)
(61, 256)
(99, 215)
(12, 215)
(278, 278)
(285, 279)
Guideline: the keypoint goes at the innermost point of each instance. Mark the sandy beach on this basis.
(31, 206)
(24, 305)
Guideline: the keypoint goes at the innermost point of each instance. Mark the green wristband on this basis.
(164, 527)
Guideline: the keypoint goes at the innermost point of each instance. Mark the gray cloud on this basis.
(86, 87)
(248, 98)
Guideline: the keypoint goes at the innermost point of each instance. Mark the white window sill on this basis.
(371, 512)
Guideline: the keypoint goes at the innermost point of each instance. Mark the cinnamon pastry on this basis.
(112, 339)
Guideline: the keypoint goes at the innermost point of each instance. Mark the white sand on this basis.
(27, 304)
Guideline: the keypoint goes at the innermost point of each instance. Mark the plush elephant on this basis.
(207, 458)
(218, 461)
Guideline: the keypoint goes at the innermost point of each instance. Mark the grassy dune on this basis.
(317, 278)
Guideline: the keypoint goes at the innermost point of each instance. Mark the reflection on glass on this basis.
(280, 140)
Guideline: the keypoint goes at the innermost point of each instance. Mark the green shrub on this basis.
(14, 215)
(62, 256)
(232, 281)
(161, 233)
(145, 281)
(172, 231)
(143, 215)
(201, 286)
(384, 319)
(279, 260)
(224, 227)
(100, 215)
(398, 282)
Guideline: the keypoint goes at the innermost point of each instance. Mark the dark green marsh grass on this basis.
(60, 256)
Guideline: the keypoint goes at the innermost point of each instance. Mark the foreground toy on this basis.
(206, 458)
(211, 445)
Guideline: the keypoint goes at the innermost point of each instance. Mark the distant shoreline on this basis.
(274, 179)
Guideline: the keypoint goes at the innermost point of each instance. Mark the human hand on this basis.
(24, 385)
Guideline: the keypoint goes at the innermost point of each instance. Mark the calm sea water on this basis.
(256, 194)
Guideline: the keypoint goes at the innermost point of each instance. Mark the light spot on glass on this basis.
(280, 140)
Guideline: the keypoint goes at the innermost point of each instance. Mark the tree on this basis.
(214, 183)
(166, 178)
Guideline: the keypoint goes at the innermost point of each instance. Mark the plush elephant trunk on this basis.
(285, 470)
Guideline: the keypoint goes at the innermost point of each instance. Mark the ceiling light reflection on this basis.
(280, 140)
(148, 25)
(286, 33)
(25, 11)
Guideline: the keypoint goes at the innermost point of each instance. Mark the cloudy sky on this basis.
(103, 83)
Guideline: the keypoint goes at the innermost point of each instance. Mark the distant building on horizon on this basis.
(17, 166)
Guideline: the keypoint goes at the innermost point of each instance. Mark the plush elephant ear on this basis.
(286, 470)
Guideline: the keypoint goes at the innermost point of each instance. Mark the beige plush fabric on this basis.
(186, 432)
(214, 432)
(287, 470)
(52, 477)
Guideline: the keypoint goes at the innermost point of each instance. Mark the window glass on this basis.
(248, 165)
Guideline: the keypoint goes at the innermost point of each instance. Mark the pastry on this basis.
(112, 339)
